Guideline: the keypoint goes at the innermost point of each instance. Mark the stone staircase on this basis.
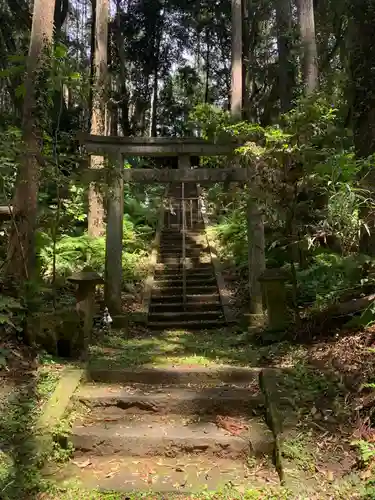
(202, 308)
(170, 430)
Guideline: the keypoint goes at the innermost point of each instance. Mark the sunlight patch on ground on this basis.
(175, 347)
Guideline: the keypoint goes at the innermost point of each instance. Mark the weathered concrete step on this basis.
(201, 316)
(168, 234)
(190, 273)
(180, 306)
(182, 324)
(167, 246)
(190, 281)
(223, 400)
(171, 375)
(162, 475)
(191, 262)
(178, 298)
(201, 268)
(177, 290)
(190, 253)
(170, 437)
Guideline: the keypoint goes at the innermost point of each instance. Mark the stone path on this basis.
(170, 430)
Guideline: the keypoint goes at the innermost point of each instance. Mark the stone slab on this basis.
(174, 374)
(226, 400)
(161, 474)
(172, 437)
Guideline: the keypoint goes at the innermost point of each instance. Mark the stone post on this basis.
(113, 248)
(273, 283)
(86, 282)
(256, 262)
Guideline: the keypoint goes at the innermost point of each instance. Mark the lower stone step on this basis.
(171, 436)
(167, 476)
(177, 290)
(186, 325)
(164, 283)
(171, 375)
(202, 316)
(223, 400)
(159, 307)
(178, 298)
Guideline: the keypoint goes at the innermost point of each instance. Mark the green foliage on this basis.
(329, 277)
(231, 234)
(11, 313)
(366, 451)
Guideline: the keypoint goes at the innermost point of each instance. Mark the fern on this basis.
(366, 451)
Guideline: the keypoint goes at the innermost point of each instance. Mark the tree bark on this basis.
(236, 94)
(21, 250)
(308, 43)
(96, 206)
(284, 45)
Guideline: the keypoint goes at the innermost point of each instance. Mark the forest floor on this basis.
(323, 382)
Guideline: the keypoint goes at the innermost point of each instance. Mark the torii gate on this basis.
(115, 148)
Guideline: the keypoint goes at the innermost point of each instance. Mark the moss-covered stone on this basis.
(59, 332)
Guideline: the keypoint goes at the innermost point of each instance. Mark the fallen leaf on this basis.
(366, 474)
(82, 465)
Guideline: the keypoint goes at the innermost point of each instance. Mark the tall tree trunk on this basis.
(308, 43)
(284, 45)
(96, 206)
(236, 94)
(362, 93)
(362, 75)
(208, 68)
(92, 59)
(21, 251)
(154, 99)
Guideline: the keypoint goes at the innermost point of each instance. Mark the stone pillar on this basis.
(86, 281)
(255, 236)
(113, 249)
(273, 283)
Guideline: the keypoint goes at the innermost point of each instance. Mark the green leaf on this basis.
(75, 76)
(61, 51)
(20, 90)
(3, 362)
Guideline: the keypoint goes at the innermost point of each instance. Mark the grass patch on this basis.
(20, 458)
(298, 450)
(176, 347)
(229, 493)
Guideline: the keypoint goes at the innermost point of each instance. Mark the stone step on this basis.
(222, 400)
(179, 316)
(191, 261)
(179, 306)
(177, 234)
(203, 267)
(163, 282)
(158, 291)
(173, 245)
(165, 254)
(170, 436)
(190, 275)
(171, 375)
(186, 325)
(159, 475)
(178, 298)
